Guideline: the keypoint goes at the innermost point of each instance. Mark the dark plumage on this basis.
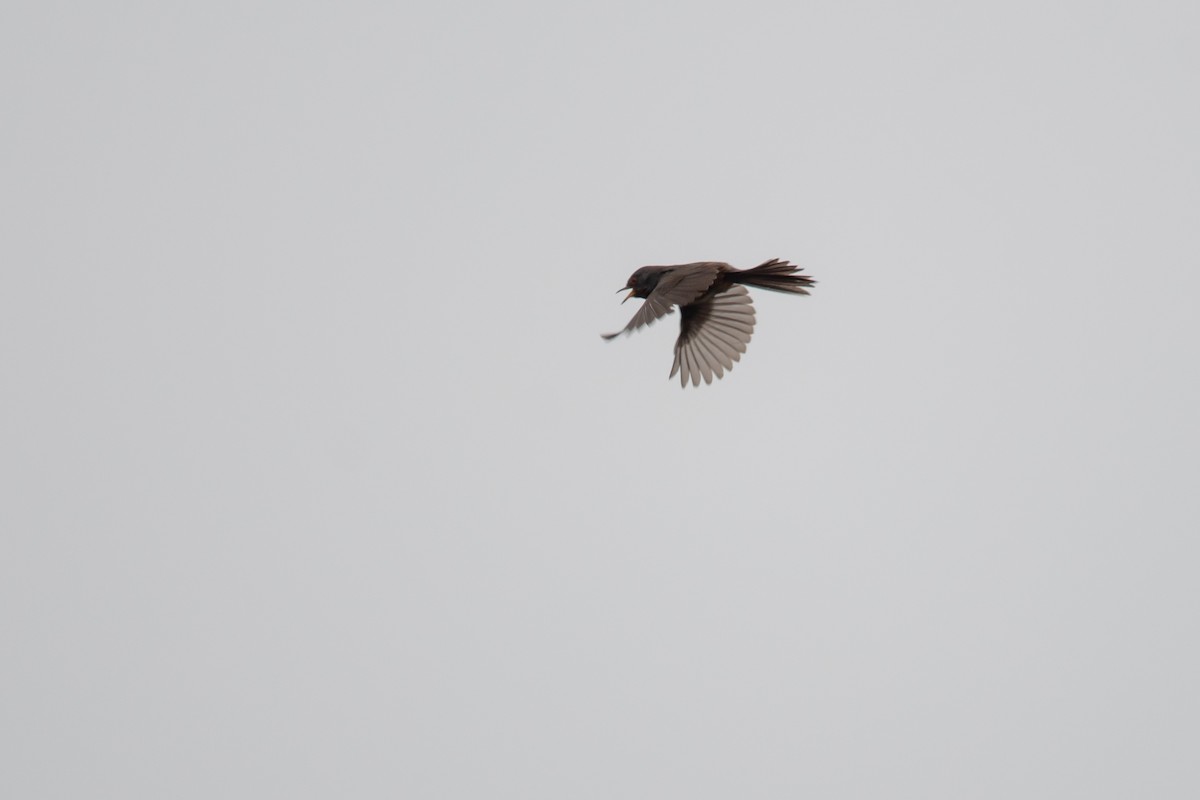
(716, 315)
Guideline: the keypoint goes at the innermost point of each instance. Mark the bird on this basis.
(716, 315)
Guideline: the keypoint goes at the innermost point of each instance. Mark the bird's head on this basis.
(642, 282)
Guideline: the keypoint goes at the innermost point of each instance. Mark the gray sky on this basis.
(319, 481)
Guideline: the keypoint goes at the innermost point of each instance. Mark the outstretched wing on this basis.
(712, 335)
(678, 287)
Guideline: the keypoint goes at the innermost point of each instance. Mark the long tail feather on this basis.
(776, 275)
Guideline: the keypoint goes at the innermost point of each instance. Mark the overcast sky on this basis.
(318, 480)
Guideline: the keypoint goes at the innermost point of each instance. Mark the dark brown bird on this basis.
(716, 315)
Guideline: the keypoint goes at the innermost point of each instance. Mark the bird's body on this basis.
(716, 314)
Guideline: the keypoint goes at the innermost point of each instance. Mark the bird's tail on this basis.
(776, 275)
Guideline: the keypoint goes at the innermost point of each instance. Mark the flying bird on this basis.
(716, 314)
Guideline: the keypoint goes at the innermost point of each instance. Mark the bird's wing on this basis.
(712, 335)
(677, 288)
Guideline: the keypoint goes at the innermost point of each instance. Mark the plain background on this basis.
(318, 480)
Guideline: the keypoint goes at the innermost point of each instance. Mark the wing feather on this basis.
(713, 335)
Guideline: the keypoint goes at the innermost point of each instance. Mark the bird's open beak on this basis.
(623, 288)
